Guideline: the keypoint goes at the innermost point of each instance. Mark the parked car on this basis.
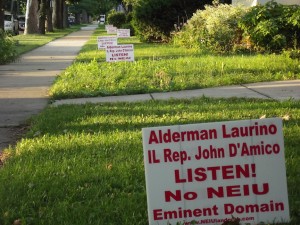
(21, 19)
(71, 20)
(11, 23)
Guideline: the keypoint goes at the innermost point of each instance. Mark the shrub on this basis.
(128, 24)
(130, 27)
(150, 22)
(272, 27)
(116, 18)
(7, 50)
(121, 20)
(214, 29)
(293, 54)
(154, 20)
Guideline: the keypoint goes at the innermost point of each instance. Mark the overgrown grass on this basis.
(27, 43)
(163, 68)
(84, 164)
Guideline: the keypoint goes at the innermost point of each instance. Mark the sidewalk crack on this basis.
(260, 93)
(151, 96)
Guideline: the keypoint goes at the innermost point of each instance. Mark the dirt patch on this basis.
(9, 136)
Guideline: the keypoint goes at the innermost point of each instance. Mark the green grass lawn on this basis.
(84, 164)
(27, 43)
(164, 68)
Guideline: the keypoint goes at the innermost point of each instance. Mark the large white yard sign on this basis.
(116, 53)
(208, 172)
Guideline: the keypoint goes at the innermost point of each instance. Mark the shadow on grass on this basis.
(89, 158)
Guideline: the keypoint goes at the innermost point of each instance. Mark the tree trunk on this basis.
(42, 16)
(49, 16)
(1, 15)
(58, 14)
(65, 15)
(31, 21)
(84, 16)
(77, 18)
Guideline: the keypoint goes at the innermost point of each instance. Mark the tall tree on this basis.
(1, 15)
(42, 16)
(89, 7)
(57, 15)
(31, 17)
(129, 4)
(65, 15)
(104, 6)
(49, 10)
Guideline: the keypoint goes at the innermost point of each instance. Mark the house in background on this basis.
(120, 8)
(262, 2)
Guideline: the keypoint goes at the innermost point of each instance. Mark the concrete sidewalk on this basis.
(24, 84)
(278, 90)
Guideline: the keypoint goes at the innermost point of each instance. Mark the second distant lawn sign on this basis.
(105, 41)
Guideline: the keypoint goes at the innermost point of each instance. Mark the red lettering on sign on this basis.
(237, 190)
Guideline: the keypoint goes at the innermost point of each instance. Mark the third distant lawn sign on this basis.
(111, 30)
(212, 171)
(107, 26)
(123, 33)
(117, 53)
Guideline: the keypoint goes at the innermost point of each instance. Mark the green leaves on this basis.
(7, 48)
(154, 19)
(116, 18)
(214, 29)
(272, 26)
(294, 19)
(224, 28)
